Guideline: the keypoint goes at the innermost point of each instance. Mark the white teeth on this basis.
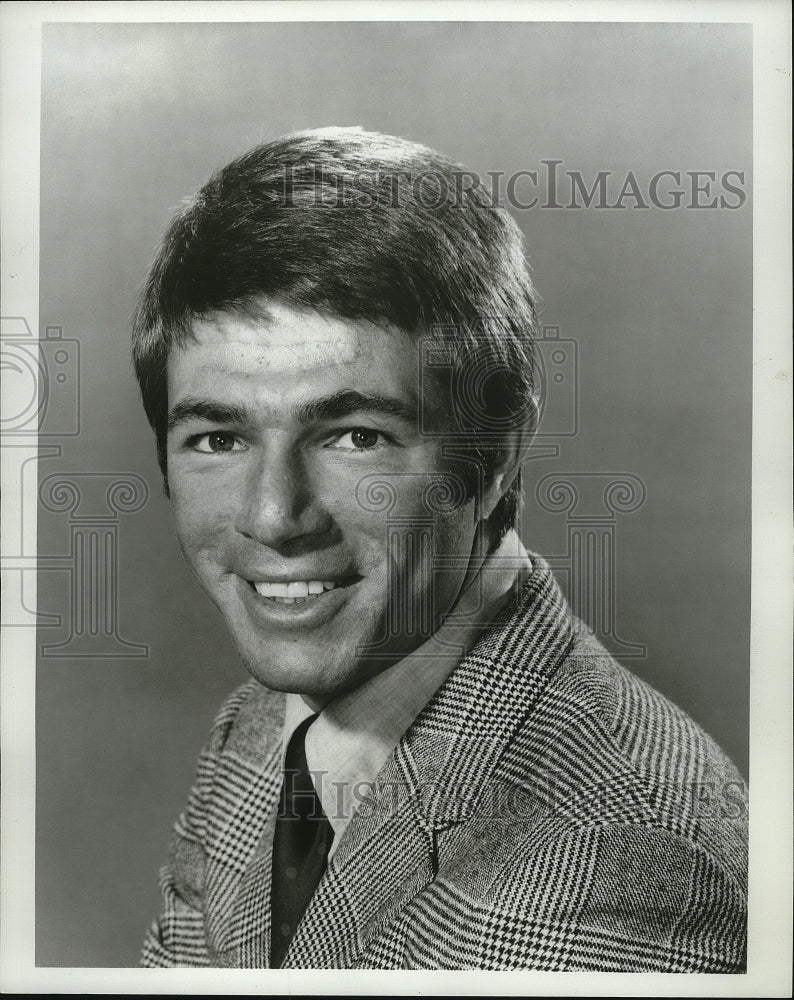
(272, 589)
(288, 593)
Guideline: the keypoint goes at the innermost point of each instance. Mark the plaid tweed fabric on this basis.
(547, 810)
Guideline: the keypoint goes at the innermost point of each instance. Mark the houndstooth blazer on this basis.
(547, 810)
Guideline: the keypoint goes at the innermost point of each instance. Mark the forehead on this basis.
(283, 346)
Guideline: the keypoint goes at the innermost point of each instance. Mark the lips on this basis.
(293, 613)
(278, 593)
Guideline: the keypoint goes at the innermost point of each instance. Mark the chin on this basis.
(300, 676)
(321, 669)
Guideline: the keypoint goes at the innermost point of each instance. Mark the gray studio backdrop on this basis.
(652, 309)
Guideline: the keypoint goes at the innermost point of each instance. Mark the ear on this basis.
(504, 469)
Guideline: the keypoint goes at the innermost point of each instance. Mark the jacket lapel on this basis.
(434, 777)
(247, 788)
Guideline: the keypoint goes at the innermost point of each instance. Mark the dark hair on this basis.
(363, 226)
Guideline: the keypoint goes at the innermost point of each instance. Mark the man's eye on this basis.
(359, 439)
(215, 443)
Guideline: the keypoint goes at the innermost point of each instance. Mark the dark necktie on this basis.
(300, 847)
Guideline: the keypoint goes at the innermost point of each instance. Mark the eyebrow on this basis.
(338, 405)
(206, 409)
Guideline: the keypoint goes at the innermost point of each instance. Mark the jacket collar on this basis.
(446, 756)
(459, 738)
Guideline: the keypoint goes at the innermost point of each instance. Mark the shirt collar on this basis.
(353, 736)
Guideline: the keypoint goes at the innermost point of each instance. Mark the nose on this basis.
(279, 504)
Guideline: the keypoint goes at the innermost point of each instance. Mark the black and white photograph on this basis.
(397, 553)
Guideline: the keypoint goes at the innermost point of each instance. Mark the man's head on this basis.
(333, 311)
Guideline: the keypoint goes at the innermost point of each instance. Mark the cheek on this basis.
(403, 506)
(199, 520)
(454, 531)
(453, 537)
(421, 547)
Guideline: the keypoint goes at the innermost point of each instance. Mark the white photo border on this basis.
(770, 926)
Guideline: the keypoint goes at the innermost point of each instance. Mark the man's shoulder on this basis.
(247, 723)
(611, 833)
(603, 748)
(643, 727)
(240, 753)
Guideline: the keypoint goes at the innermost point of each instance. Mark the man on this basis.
(434, 765)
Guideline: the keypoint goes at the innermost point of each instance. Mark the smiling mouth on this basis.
(298, 591)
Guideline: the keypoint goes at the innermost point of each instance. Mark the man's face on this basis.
(280, 430)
